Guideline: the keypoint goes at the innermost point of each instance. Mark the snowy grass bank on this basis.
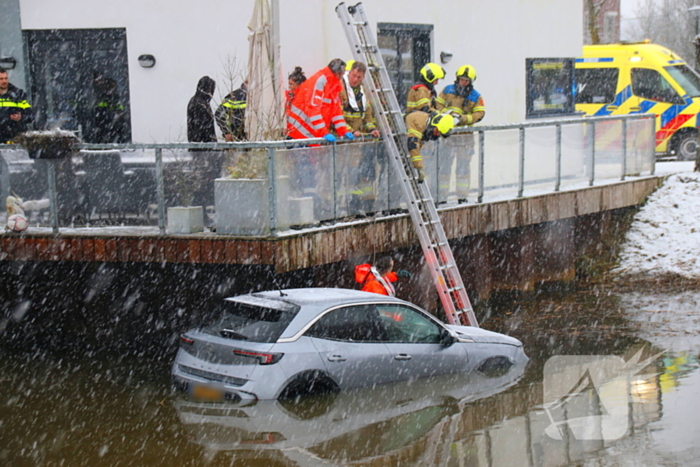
(664, 239)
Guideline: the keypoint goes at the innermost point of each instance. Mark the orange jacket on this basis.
(315, 108)
(374, 286)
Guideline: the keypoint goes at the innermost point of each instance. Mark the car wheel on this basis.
(309, 383)
(686, 147)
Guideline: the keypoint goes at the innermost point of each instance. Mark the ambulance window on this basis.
(687, 78)
(596, 85)
(649, 84)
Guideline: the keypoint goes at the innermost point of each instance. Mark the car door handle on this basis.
(402, 356)
(612, 107)
(336, 358)
(635, 109)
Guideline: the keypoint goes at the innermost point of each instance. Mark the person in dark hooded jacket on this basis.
(201, 129)
(200, 118)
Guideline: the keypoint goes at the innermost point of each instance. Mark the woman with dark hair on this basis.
(295, 79)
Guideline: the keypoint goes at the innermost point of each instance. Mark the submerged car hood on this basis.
(483, 336)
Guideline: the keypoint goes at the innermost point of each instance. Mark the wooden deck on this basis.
(296, 250)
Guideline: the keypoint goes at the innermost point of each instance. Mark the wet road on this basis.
(613, 380)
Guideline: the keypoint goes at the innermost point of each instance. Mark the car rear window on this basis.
(250, 321)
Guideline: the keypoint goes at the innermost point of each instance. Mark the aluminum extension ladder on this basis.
(431, 234)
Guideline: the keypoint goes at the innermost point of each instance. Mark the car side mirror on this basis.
(446, 338)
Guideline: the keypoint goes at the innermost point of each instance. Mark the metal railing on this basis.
(283, 185)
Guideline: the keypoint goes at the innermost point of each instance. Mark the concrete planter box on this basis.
(242, 206)
(185, 220)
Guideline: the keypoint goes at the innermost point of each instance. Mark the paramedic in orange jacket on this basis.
(381, 276)
(315, 109)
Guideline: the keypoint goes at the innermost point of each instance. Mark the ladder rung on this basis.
(455, 289)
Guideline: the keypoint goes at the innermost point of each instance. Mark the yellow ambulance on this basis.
(628, 78)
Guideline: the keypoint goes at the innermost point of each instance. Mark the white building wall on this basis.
(193, 39)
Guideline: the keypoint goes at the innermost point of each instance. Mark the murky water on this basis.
(613, 380)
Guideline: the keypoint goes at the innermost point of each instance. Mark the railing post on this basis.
(272, 189)
(482, 157)
(624, 149)
(335, 180)
(53, 199)
(521, 163)
(160, 191)
(591, 176)
(557, 183)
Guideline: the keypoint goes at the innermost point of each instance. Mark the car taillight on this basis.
(262, 357)
(186, 340)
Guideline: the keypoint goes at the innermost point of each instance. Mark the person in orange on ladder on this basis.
(379, 278)
(422, 95)
(424, 126)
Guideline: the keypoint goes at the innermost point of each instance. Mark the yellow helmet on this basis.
(349, 64)
(466, 71)
(431, 72)
(444, 123)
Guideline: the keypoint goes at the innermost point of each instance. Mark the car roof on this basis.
(323, 297)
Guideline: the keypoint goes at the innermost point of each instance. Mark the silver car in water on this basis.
(286, 343)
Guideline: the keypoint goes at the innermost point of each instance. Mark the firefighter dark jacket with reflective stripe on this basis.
(230, 115)
(421, 97)
(418, 131)
(470, 109)
(315, 109)
(14, 101)
(357, 110)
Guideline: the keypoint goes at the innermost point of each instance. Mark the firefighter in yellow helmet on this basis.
(425, 126)
(422, 95)
(467, 105)
(361, 160)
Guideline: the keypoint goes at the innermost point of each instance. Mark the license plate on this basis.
(206, 393)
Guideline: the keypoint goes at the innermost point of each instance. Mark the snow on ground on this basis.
(665, 235)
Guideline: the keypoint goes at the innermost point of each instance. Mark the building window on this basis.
(550, 84)
(405, 49)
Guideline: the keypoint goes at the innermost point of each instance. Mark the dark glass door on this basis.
(405, 50)
(80, 82)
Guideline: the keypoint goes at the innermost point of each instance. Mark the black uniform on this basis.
(200, 118)
(14, 101)
(230, 115)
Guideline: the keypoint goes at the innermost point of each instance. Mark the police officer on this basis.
(15, 111)
(230, 115)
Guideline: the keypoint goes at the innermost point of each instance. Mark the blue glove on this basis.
(404, 273)
(349, 136)
(330, 138)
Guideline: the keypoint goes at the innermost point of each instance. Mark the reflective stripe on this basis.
(340, 125)
(479, 109)
(441, 101)
(320, 83)
(415, 133)
(20, 104)
(299, 127)
(417, 158)
(327, 100)
(422, 102)
(336, 117)
(315, 117)
(235, 104)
